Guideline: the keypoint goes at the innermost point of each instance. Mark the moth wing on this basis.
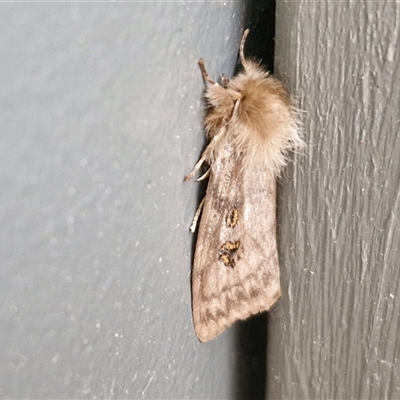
(236, 271)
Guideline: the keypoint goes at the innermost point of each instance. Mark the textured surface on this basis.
(335, 332)
(100, 121)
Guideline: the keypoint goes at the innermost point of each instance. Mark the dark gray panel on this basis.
(101, 119)
(335, 332)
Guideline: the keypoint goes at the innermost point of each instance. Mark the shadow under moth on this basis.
(251, 124)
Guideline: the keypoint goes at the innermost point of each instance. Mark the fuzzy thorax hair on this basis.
(254, 114)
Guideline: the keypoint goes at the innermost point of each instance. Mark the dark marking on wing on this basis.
(227, 253)
(232, 218)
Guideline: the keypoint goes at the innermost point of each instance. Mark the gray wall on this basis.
(335, 332)
(100, 121)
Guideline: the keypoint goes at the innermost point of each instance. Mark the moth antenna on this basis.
(197, 215)
(205, 73)
(241, 48)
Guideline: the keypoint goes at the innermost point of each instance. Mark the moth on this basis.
(251, 124)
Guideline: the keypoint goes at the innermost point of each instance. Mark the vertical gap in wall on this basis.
(251, 344)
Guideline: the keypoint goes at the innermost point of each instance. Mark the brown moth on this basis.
(251, 124)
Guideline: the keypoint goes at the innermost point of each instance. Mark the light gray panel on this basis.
(335, 332)
(100, 121)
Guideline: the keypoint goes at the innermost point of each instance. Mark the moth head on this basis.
(220, 106)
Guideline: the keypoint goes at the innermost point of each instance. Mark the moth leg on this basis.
(197, 215)
(195, 169)
(241, 51)
(205, 156)
(205, 73)
(235, 107)
(204, 176)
